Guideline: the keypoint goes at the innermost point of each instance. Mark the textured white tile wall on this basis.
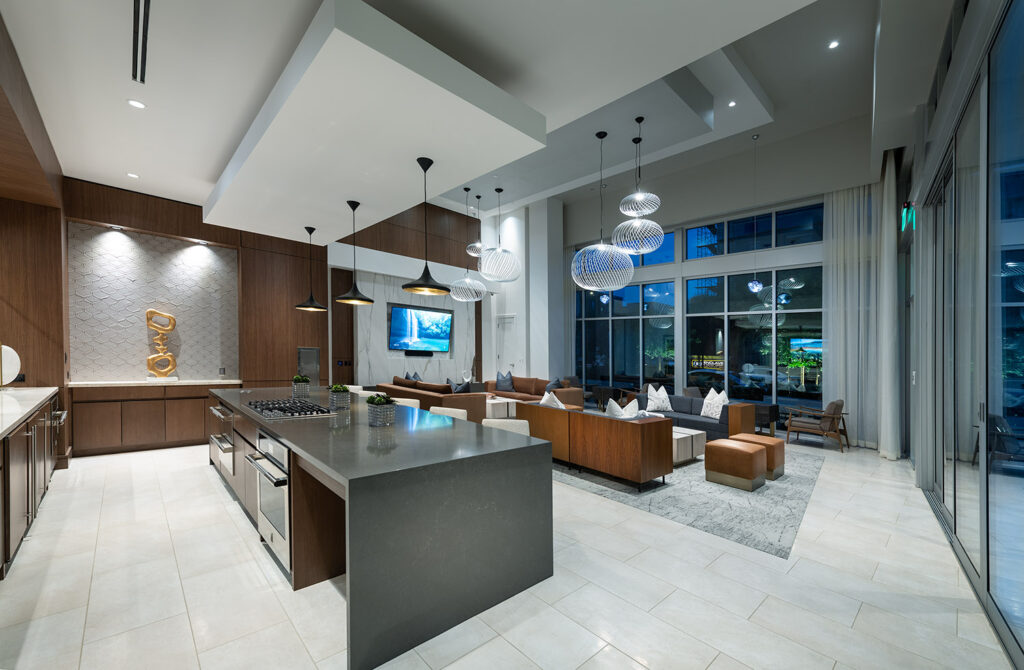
(375, 363)
(115, 276)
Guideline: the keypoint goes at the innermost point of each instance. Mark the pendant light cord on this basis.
(637, 140)
(426, 255)
(600, 181)
(499, 192)
(755, 137)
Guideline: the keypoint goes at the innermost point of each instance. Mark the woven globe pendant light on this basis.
(639, 203)
(474, 249)
(638, 236)
(498, 263)
(601, 267)
(425, 284)
(468, 289)
(354, 295)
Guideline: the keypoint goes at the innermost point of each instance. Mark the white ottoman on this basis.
(687, 444)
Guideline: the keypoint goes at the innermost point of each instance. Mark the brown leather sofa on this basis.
(431, 395)
(531, 389)
(637, 450)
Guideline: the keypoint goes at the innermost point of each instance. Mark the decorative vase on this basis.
(381, 415)
(300, 390)
(342, 400)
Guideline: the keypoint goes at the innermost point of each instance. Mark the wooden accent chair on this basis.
(827, 422)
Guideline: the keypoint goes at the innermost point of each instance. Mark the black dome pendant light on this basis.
(310, 304)
(425, 284)
(354, 295)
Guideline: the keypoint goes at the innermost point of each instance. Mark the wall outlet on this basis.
(20, 377)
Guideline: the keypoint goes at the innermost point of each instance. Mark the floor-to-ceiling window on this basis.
(756, 335)
(1006, 321)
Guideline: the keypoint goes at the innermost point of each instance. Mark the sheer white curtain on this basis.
(860, 312)
(924, 355)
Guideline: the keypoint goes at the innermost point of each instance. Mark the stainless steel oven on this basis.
(222, 438)
(272, 517)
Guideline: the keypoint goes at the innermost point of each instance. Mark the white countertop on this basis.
(18, 404)
(162, 382)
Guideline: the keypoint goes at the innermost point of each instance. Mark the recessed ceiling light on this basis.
(202, 242)
(136, 104)
(116, 228)
(833, 44)
(732, 103)
(132, 175)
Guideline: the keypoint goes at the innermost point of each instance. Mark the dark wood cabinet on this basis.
(142, 422)
(185, 420)
(37, 426)
(97, 425)
(18, 468)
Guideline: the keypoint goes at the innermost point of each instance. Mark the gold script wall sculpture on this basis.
(162, 356)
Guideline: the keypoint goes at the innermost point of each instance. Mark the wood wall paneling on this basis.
(270, 328)
(31, 289)
(318, 528)
(96, 203)
(448, 234)
(21, 123)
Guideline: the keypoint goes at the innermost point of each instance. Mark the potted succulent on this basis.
(300, 387)
(381, 407)
(339, 397)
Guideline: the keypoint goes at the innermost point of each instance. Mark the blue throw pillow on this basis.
(462, 388)
(552, 385)
(408, 376)
(504, 382)
(415, 376)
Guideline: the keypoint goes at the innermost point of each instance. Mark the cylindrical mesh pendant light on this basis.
(640, 203)
(468, 289)
(601, 267)
(498, 263)
(638, 236)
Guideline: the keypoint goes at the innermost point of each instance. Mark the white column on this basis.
(546, 281)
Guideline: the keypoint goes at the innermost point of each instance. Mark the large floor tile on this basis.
(163, 645)
(273, 648)
(606, 540)
(226, 604)
(45, 586)
(835, 640)
(497, 654)
(455, 643)
(938, 646)
(787, 587)
(727, 593)
(747, 642)
(643, 637)
(610, 658)
(133, 596)
(319, 614)
(127, 544)
(52, 642)
(633, 585)
(206, 548)
(545, 635)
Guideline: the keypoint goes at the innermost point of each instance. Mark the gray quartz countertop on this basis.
(346, 446)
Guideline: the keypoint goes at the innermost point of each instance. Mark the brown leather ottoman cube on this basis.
(775, 451)
(733, 463)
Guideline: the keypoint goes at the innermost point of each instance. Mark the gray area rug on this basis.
(766, 519)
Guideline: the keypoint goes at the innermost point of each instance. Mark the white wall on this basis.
(375, 363)
(819, 161)
(115, 276)
(511, 306)
(547, 357)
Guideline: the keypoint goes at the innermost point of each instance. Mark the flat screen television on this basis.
(419, 328)
(809, 345)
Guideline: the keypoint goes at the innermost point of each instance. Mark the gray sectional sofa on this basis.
(686, 414)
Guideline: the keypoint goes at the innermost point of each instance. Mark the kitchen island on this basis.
(432, 520)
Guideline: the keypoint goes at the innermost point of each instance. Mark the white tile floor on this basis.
(144, 560)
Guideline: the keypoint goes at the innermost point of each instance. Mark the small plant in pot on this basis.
(381, 407)
(339, 397)
(300, 387)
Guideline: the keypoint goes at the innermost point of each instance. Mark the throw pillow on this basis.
(452, 384)
(657, 400)
(722, 401)
(408, 383)
(552, 385)
(709, 403)
(462, 388)
(408, 376)
(504, 382)
(551, 400)
(613, 410)
(631, 410)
